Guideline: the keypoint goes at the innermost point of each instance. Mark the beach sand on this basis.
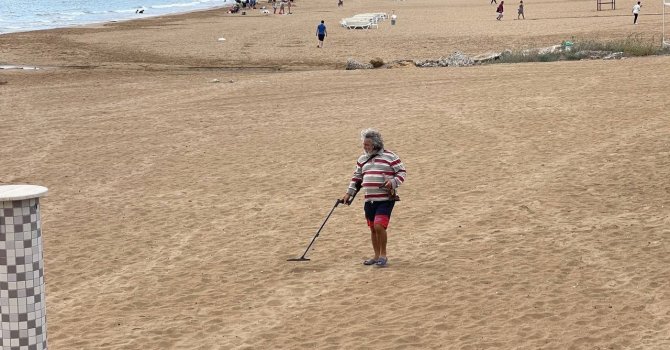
(535, 214)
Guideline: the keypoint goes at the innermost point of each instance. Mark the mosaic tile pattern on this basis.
(22, 298)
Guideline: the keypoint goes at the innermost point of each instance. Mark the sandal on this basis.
(372, 261)
(381, 262)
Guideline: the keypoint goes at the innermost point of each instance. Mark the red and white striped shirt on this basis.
(386, 165)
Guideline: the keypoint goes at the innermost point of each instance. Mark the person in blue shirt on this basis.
(321, 33)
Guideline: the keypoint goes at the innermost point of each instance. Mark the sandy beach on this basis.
(183, 171)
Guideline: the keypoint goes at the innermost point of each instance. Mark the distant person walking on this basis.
(494, 2)
(500, 10)
(520, 11)
(636, 12)
(321, 33)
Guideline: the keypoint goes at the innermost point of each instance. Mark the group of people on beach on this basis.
(281, 5)
(500, 9)
(520, 10)
(247, 3)
(278, 6)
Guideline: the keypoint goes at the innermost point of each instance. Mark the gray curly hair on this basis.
(375, 136)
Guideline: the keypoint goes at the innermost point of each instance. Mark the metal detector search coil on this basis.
(302, 258)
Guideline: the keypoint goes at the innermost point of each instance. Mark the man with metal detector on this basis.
(379, 172)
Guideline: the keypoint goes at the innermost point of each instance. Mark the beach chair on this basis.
(374, 17)
(356, 23)
(366, 16)
(381, 15)
(364, 20)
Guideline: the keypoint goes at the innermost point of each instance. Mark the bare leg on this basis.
(380, 232)
(375, 242)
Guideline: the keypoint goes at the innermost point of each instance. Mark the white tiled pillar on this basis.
(22, 299)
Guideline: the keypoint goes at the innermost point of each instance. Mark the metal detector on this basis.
(337, 202)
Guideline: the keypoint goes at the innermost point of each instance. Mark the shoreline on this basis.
(102, 23)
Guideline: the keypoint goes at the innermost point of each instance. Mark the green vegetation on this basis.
(631, 46)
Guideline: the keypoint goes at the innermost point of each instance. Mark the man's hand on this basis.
(345, 198)
(388, 184)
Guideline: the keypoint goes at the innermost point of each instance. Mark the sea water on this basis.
(27, 15)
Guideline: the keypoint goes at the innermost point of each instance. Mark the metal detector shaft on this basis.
(302, 258)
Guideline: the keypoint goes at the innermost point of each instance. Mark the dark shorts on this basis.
(321, 37)
(378, 213)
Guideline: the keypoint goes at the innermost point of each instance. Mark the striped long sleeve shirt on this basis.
(384, 166)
